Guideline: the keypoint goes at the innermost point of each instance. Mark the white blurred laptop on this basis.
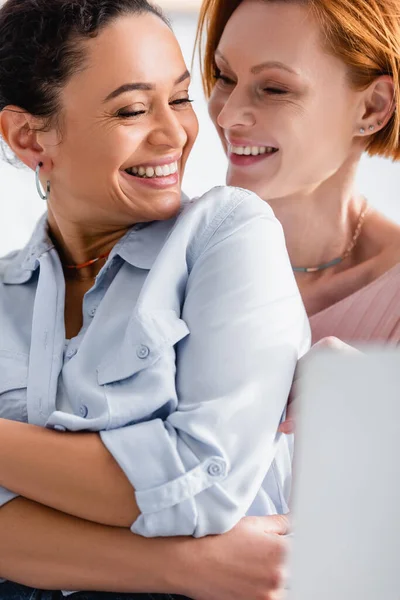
(346, 498)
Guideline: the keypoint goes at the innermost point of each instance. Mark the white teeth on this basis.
(158, 171)
(251, 150)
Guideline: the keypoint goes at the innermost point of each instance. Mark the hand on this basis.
(247, 563)
(332, 343)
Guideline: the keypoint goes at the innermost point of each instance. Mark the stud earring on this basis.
(362, 130)
(371, 127)
(379, 123)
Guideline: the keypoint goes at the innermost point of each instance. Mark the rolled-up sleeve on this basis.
(198, 471)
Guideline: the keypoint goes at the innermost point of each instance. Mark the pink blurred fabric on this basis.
(372, 314)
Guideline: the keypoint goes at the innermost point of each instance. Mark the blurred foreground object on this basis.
(347, 489)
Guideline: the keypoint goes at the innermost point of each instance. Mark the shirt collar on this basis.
(140, 247)
(23, 263)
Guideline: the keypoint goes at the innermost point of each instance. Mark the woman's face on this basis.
(127, 127)
(283, 107)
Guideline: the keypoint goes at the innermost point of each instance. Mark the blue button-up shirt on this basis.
(184, 362)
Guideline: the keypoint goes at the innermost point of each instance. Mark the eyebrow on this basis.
(272, 64)
(146, 87)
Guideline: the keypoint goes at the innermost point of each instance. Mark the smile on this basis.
(151, 172)
(251, 150)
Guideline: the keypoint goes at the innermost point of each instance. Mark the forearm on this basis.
(74, 554)
(70, 472)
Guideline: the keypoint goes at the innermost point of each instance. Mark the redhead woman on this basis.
(298, 91)
(148, 343)
(296, 103)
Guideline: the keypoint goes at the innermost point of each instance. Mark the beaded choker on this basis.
(88, 262)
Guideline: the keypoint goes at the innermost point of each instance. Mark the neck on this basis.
(319, 224)
(77, 244)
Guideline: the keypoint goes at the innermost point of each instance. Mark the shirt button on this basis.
(142, 352)
(71, 353)
(60, 428)
(83, 410)
(92, 311)
(215, 469)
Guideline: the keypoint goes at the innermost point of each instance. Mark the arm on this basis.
(76, 555)
(71, 472)
(202, 466)
(208, 458)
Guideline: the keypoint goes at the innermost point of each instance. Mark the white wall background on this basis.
(20, 206)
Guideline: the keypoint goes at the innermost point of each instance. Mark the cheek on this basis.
(192, 128)
(109, 146)
(215, 106)
(190, 124)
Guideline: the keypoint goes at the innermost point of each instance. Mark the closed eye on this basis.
(223, 78)
(130, 114)
(275, 91)
(181, 102)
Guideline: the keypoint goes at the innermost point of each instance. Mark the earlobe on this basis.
(18, 131)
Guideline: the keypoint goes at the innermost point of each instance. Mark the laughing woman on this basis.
(147, 344)
(298, 91)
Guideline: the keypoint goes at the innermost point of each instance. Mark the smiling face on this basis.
(127, 128)
(283, 106)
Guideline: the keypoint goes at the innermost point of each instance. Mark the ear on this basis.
(19, 130)
(378, 105)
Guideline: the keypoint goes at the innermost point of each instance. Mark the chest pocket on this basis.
(13, 386)
(139, 377)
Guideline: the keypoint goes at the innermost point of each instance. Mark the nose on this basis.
(236, 112)
(168, 130)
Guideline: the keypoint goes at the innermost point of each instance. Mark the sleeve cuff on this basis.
(6, 496)
(165, 490)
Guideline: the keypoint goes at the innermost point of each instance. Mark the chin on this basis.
(167, 207)
(248, 183)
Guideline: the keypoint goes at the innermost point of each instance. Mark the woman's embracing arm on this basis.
(41, 547)
(70, 472)
(78, 555)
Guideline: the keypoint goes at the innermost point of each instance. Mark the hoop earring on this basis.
(39, 186)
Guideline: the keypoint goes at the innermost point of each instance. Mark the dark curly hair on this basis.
(40, 46)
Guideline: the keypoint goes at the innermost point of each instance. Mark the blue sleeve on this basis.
(198, 471)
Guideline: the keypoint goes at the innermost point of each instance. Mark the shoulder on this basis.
(380, 247)
(221, 211)
(381, 236)
(220, 201)
(9, 263)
